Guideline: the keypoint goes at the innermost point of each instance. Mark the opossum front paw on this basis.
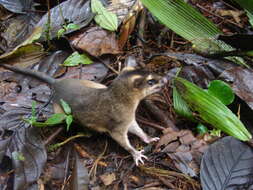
(138, 157)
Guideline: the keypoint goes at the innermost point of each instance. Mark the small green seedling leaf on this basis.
(215, 132)
(72, 26)
(222, 91)
(75, 59)
(33, 117)
(55, 119)
(69, 120)
(60, 32)
(33, 109)
(18, 156)
(202, 129)
(65, 107)
(104, 18)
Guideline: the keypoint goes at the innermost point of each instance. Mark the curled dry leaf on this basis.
(96, 42)
(16, 29)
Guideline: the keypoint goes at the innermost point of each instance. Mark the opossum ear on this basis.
(130, 63)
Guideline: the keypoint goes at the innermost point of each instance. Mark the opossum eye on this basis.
(151, 82)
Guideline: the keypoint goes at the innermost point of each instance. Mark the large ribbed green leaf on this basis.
(211, 110)
(190, 24)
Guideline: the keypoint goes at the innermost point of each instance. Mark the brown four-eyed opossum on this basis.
(106, 109)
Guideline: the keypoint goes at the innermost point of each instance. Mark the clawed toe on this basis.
(138, 156)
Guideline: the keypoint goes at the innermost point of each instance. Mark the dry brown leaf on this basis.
(108, 178)
(96, 41)
(235, 14)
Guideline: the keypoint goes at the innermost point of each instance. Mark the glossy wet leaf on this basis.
(104, 18)
(75, 11)
(65, 107)
(227, 164)
(241, 79)
(222, 91)
(75, 59)
(17, 6)
(28, 152)
(211, 110)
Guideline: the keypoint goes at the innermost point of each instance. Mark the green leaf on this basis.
(211, 110)
(60, 32)
(75, 59)
(250, 16)
(187, 22)
(202, 129)
(181, 106)
(55, 119)
(69, 120)
(72, 26)
(104, 18)
(39, 124)
(222, 91)
(65, 107)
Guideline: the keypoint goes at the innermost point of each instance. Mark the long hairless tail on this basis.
(36, 74)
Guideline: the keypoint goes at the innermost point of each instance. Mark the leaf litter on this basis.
(176, 161)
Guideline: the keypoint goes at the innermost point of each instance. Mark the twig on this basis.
(93, 169)
(52, 136)
(231, 22)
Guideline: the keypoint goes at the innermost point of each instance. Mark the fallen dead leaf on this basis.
(108, 178)
(242, 83)
(235, 14)
(96, 41)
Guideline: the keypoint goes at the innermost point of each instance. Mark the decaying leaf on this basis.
(75, 11)
(227, 164)
(17, 6)
(27, 142)
(96, 42)
(108, 178)
(15, 30)
(242, 83)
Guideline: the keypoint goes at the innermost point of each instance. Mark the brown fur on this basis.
(107, 109)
